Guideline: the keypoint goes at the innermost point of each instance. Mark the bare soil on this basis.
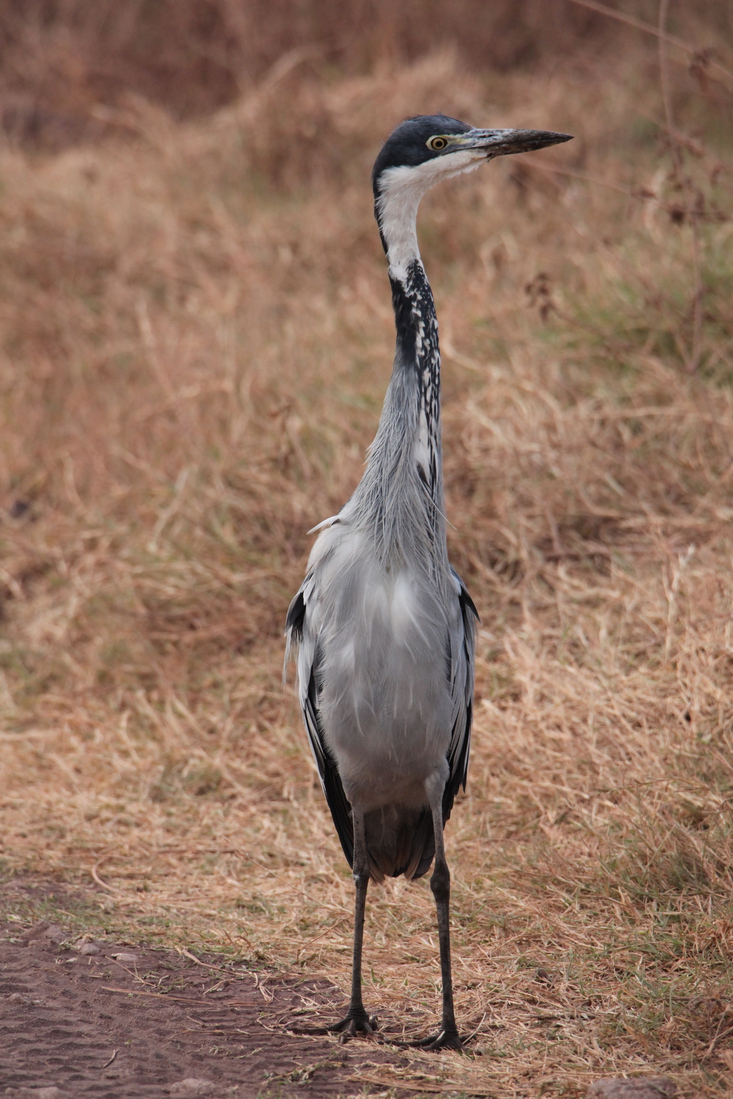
(93, 1016)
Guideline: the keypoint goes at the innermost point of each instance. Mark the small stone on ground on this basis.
(37, 1093)
(191, 1086)
(649, 1087)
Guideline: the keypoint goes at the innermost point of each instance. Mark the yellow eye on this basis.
(437, 143)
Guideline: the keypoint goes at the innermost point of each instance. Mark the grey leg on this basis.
(448, 1038)
(357, 1021)
(440, 885)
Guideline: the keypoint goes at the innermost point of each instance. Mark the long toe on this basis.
(447, 1039)
(349, 1027)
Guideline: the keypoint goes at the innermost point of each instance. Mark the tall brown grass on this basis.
(193, 55)
(196, 340)
(66, 65)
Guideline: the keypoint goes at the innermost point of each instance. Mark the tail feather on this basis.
(399, 841)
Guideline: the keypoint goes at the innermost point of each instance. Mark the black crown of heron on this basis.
(384, 627)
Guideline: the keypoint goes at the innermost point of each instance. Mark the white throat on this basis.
(400, 191)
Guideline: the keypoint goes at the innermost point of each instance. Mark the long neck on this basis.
(417, 367)
(401, 492)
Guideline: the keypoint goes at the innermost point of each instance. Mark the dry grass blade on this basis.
(157, 995)
(196, 342)
(659, 32)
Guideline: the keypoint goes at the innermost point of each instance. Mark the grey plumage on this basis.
(384, 625)
(386, 637)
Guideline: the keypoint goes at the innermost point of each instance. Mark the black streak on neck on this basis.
(418, 353)
(413, 306)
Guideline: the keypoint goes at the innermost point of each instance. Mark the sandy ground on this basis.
(112, 1019)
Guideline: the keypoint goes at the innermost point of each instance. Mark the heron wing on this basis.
(302, 629)
(462, 645)
(460, 665)
(299, 629)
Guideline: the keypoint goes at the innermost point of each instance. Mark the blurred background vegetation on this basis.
(66, 57)
(195, 339)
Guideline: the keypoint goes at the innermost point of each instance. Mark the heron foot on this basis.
(353, 1024)
(447, 1039)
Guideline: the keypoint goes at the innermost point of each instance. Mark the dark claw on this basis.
(447, 1039)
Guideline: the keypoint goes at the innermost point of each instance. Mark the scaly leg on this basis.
(448, 1038)
(356, 1020)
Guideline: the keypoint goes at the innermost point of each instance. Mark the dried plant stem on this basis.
(693, 356)
(697, 297)
(659, 32)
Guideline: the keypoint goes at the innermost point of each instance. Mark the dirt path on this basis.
(110, 1020)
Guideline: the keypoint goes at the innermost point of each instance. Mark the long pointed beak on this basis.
(503, 142)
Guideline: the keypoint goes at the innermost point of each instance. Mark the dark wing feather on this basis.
(330, 778)
(308, 672)
(296, 614)
(462, 651)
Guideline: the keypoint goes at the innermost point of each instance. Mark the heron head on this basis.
(424, 150)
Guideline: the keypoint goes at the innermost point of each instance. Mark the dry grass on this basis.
(66, 57)
(196, 340)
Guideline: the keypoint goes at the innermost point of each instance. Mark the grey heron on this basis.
(384, 626)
